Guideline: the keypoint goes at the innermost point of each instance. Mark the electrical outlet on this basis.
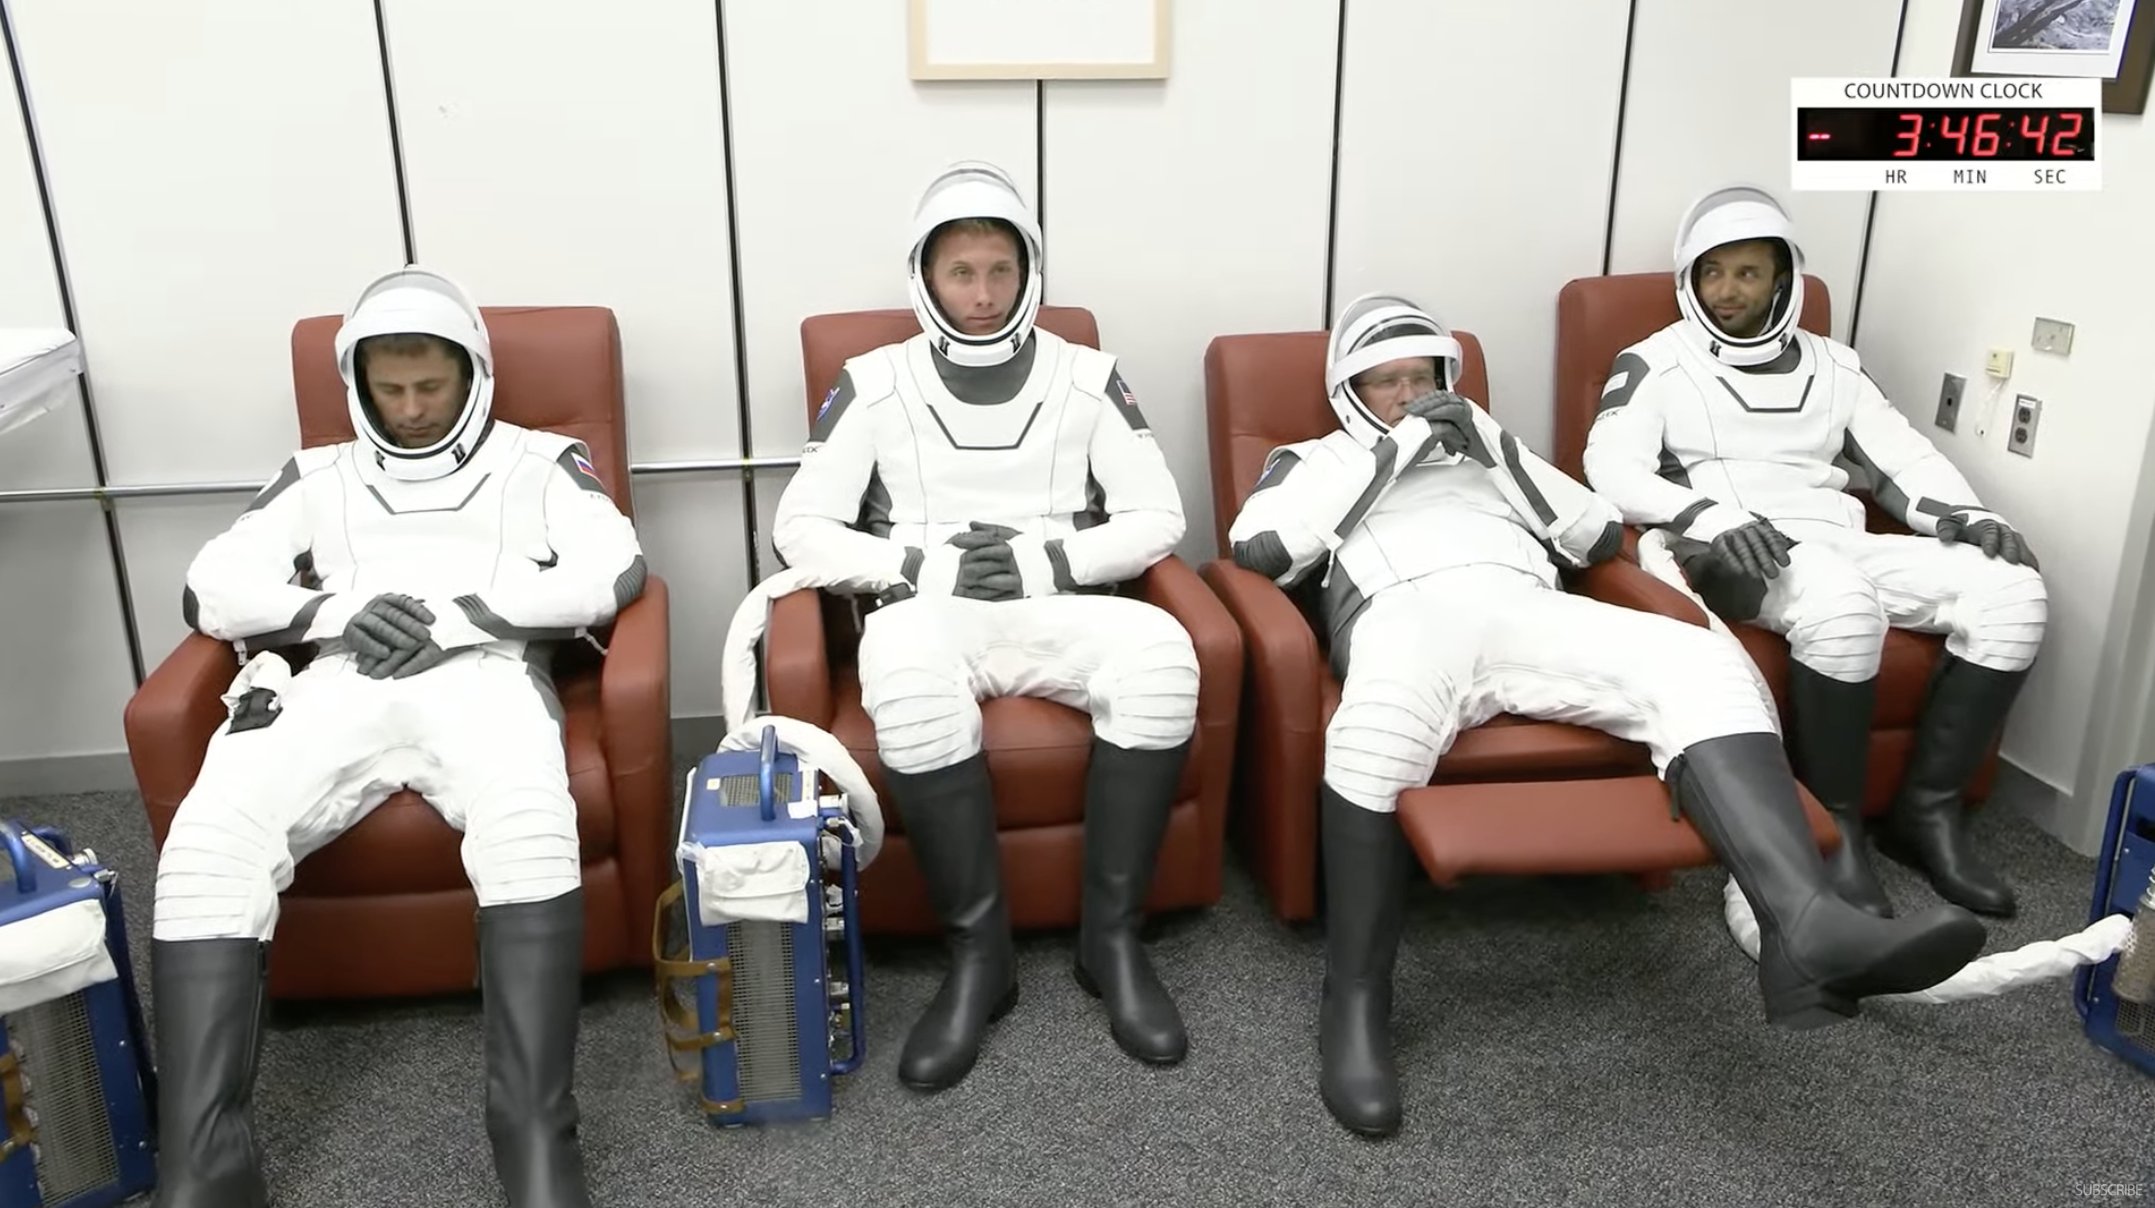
(2053, 335)
(2027, 413)
(1949, 400)
(2000, 363)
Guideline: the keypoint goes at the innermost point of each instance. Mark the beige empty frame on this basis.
(1039, 39)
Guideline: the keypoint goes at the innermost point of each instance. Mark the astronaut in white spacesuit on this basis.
(1733, 430)
(990, 485)
(1440, 541)
(430, 565)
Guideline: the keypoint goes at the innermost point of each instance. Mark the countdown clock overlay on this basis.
(1990, 134)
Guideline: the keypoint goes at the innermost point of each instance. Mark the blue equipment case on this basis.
(77, 1091)
(769, 1023)
(2123, 867)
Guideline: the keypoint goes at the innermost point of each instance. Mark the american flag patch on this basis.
(1128, 399)
(828, 399)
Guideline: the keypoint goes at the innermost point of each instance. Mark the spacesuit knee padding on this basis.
(1838, 629)
(1146, 698)
(522, 847)
(2001, 625)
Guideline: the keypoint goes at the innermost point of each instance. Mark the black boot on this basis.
(950, 817)
(531, 959)
(1829, 744)
(1927, 828)
(210, 1007)
(1365, 893)
(1817, 954)
(1127, 798)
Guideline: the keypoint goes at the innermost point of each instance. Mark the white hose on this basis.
(737, 679)
(1985, 977)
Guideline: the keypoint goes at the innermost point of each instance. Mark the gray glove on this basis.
(1994, 537)
(389, 636)
(1450, 416)
(988, 567)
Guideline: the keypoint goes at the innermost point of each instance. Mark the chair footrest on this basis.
(1613, 825)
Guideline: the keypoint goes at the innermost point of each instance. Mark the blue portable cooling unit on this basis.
(77, 1090)
(2125, 867)
(755, 1001)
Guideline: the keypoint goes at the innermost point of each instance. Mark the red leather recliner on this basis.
(1037, 750)
(385, 909)
(1597, 318)
(1513, 795)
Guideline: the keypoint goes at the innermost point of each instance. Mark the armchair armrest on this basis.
(1173, 587)
(169, 722)
(1282, 759)
(1628, 585)
(796, 663)
(636, 732)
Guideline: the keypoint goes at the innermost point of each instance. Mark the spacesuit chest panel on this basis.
(443, 537)
(1764, 441)
(1438, 518)
(948, 462)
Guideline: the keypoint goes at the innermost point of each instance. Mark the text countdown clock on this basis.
(1946, 135)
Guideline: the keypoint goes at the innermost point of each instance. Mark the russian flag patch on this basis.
(579, 467)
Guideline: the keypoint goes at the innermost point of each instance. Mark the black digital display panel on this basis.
(2060, 135)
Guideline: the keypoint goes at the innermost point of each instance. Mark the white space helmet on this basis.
(415, 300)
(1732, 215)
(1373, 329)
(973, 189)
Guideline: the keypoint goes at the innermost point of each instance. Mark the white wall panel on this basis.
(832, 144)
(1474, 172)
(1708, 106)
(64, 627)
(1183, 209)
(1952, 276)
(692, 529)
(219, 171)
(560, 153)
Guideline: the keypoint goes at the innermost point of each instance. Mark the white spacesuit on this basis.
(932, 463)
(490, 545)
(1441, 541)
(1722, 440)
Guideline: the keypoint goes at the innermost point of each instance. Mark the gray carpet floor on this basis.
(1572, 1041)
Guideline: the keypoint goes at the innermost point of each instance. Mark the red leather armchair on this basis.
(1513, 795)
(1597, 318)
(1037, 750)
(385, 909)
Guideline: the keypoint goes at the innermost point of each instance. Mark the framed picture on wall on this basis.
(2109, 40)
(1039, 39)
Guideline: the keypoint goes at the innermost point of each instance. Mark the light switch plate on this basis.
(1949, 393)
(2053, 335)
(2027, 413)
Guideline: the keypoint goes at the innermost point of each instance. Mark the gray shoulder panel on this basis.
(576, 462)
(834, 407)
(285, 478)
(1635, 371)
(1122, 400)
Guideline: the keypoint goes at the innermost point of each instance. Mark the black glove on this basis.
(1757, 549)
(988, 569)
(390, 637)
(1995, 538)
(1450, 417)
(1731, 573)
